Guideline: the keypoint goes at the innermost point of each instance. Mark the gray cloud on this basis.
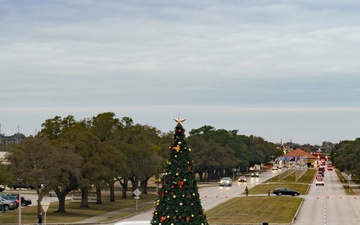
(86, 57)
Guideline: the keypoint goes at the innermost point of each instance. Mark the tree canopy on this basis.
(93, 154)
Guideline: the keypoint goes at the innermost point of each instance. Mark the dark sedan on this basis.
(285, 191)
(25, 201)
(22, 185)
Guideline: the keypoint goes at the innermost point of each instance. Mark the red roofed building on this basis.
(299, 153)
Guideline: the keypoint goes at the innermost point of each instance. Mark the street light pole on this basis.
(19, 181)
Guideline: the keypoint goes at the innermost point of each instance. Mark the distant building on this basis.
(6, 141)
(2, 157)
(299, 154)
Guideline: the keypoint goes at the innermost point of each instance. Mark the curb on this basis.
(297, 212)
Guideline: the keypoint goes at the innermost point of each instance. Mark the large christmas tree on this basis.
(178, 197)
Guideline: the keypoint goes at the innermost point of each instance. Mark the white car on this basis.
(255, 174)
(242, 179)
(319, 181)
(226, 181)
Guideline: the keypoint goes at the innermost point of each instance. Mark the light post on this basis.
(233, 170)
(349, 179)
(19, 181)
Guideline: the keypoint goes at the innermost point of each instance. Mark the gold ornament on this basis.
(176, 148)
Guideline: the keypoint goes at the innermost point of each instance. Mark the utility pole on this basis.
(2, 142)
(18, 135)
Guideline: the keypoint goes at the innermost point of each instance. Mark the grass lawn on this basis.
(308, 176)
(255, 209)
(305, 178)
(266, 187)
(302, 185)
(75, 213)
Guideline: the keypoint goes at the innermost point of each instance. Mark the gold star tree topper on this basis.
(179, 120)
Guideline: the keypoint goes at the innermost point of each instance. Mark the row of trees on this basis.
(346, 157)
(95, 153)
(67, 155)
(218, 152)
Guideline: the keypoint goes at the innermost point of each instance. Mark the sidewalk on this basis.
(354, 186)
(113, 214)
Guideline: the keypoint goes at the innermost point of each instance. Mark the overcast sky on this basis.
(280, 70)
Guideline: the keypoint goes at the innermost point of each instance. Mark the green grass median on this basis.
(255, 209)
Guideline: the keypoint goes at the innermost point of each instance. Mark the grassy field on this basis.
(255, 209)
(266, 187)
(75, 213)
(302, 185)
(306, 178)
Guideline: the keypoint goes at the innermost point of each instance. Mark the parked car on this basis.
(12, 199)
(22, 185)
(254, 174)
(242, 179)
(226, 181)
(24, 201)
(6, 204)
(285, 191)
(2, 188)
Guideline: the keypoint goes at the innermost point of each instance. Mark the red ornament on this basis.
(179, 131)
(162, 218)
(180, 184)
(192, 204)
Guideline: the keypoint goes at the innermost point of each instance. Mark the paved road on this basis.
(210, 197)
(328, 205)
